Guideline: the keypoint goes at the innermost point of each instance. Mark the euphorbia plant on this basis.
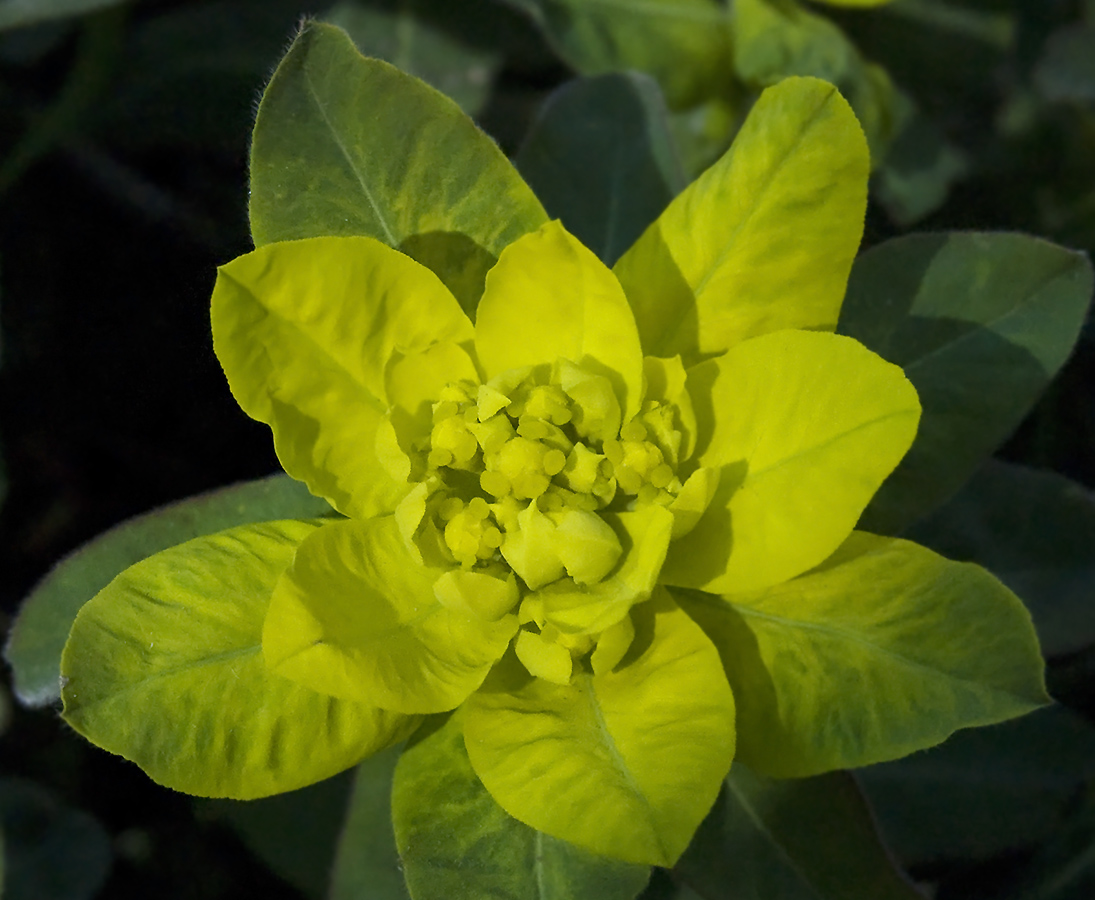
(594, 529)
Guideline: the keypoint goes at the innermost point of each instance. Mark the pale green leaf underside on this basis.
(455, 842)
(164, 667)
(764, 239)
(626, 763)
(885, 649)
(38, 636)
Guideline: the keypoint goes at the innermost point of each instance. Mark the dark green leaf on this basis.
(1067, 68)
(346, 145)
(407, 40)
(51, 852)
(456, 843)
(918, 171)
(17, 13)
(1062, 869)
(985, 790)
(293, 833)
(980, 323)
(1036, 532)
(366, 862)
(41, 628)
(795, 839)
(681, 43)
(601, 159)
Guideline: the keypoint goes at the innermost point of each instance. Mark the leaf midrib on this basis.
(313, 94)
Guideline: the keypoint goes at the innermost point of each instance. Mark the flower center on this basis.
(518, 474)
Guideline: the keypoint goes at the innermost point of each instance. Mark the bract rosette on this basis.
(612, 508)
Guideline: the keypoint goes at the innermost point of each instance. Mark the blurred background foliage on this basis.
(124, 131)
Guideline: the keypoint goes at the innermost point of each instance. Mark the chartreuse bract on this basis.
(605, 515)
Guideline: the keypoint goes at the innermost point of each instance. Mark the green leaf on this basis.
(42, 626)
(601, 158)
(802, 427)
(886, 622)
(1063, 868)
(985, 791)
(625, 763)
(1036, 532)
(50, 851)
(293, 833)
(764, 239)
(681, 43)
(345, 145)
(409, 41)
(775, 39)
(918, 171)
(980, 323)
(797, 839)
(164, 666)
(357, 616)
(1066, 70)
(18, 13)
(457, 843)
(367, 863)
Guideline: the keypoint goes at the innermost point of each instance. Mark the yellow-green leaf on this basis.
(164, 667)
(455, 842)
(357, 616)
(885, 649)
(624, 763)
(549, 297)
(763, 240)
(306, 331)
(803, 428)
